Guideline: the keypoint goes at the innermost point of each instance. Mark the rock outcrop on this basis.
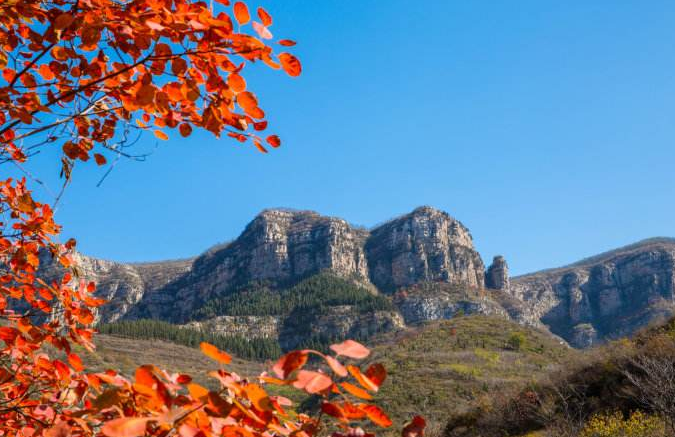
(604, 297)
(423, 246)
(497, 275)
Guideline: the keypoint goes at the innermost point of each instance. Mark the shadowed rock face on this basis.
(423, 246)
(605, 297)
(497, 275)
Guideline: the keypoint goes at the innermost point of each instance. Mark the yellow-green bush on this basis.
(615, 425)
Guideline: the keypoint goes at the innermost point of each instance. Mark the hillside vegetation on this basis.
(311, 294)
(448, 366)
(253, 348)
(623, 389)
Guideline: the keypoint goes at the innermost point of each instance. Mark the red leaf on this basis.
(264, 17)
(415, 428)
(185, 129)
(332, 410)
(290, 64)
(100, 159)
(376, 415)
(376, 373)
(64, 20)
(362, 379)
(241, 13)
(351, 349)
(273, 140)
(289, 363)
(287, 42)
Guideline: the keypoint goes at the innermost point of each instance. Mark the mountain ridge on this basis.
(424, 262)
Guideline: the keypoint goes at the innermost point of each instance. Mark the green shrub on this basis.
(517, 341)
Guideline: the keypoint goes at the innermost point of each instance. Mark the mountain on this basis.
(607, 296)
(307, 279)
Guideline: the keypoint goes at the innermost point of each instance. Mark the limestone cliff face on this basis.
(424, 263)
(423, 246)
(607, 296)
(278, 246)
(122, 285)
(437, 301)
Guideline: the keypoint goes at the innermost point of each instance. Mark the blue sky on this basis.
(546, 127)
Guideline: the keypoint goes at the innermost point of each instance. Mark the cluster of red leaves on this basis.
(87, 68)
(82, 74)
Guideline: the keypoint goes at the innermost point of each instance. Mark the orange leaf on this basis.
(258, 397)
(287, 42)
(336, 366)
(100, 159)
(161, 135)
(46, 72)
(75, 362)
(144, 376)
(241, 13)
(236, 82)
(351, 349)
(125, 427)
(312, 382)
(260, 146)
(289, 363)
(265, 17)
(273, 140)
(247, 101)
(59, 53)
(214, 353)
(376, 415)
(356, 391)
(290, 64)
(197, 391)
(362, 379)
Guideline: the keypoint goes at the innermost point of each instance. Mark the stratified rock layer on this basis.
(607, 296)
(423, 246)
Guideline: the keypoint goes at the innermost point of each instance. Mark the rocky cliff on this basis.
(426, 245)
(281, 248)
(349, 281)
(603, 297)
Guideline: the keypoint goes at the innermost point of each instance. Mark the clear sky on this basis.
(546, 127)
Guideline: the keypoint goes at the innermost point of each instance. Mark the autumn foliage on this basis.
(89, 77)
